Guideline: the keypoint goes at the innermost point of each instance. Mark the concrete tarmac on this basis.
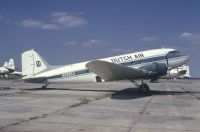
(171, 106)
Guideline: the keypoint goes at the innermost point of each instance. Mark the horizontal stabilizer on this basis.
(111, 71)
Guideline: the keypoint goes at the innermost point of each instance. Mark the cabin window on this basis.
(82, 72)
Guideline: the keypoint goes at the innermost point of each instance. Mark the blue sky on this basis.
(70, 31)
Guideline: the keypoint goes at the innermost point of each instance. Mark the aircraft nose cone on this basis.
(178, 62)
(187, 58)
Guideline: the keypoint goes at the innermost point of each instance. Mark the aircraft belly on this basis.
(76, 79)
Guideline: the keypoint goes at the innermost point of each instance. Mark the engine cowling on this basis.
(159, 68)
(155, 70)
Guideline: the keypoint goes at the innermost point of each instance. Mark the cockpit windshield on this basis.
(174, 53)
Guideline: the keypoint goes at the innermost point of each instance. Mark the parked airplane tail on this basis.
(32, 63)
(5, 64)
(9, 65)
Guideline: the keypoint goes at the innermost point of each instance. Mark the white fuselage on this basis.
(78, 72)
(4, 71)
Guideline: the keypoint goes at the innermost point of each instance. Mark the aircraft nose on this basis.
(187, 58)
(179, 61)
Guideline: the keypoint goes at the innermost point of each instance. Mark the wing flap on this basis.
(111, 71)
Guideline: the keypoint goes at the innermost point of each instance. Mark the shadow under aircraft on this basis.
(125, 94)
(131, 93)
(70, 89)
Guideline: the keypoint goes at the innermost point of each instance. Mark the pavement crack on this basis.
(31, 119)
(133, 122)
(141, 113)
(82, 101)
(87, 101)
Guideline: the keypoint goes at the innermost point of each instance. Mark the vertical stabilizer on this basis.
(9, 65)
(32, 63)
(5, 64)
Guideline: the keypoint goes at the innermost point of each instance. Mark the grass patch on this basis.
(198, 98)
(104, 96)
(83, 101)
(21, 92)
(86, 100)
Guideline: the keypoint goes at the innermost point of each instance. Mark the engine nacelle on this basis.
(159, 68)
(155, 70)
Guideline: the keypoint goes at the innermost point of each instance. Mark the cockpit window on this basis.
(174, 53)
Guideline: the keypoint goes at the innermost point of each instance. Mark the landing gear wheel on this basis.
(143, 88)
(44, 87)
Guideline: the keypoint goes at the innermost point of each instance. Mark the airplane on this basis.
(148, 65)
(7, 68)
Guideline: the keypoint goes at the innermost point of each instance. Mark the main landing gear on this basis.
(142, 88)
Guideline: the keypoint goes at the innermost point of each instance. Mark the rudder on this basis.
(32, 63)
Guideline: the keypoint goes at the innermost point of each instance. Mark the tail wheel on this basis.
(98, 79)
(44, 87)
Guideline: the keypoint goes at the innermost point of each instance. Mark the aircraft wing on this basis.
(111, 71)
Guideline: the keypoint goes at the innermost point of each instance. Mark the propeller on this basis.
(168, 68)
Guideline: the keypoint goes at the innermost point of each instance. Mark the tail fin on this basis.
(5, 64)
(32, 63)
(9, 65)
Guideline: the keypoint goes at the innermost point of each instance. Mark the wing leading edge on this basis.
(111, 71)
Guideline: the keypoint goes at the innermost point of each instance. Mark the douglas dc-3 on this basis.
(149, 64)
